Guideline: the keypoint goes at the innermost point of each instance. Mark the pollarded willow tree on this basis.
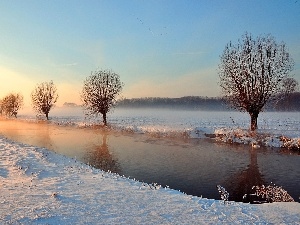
(100, 92)
(253, 72)
(11, 104)
(43, 98)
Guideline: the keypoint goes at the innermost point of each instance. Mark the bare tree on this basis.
(43, 97)
(289, 85)
(100, 92)
(252, 72)
(11, 104)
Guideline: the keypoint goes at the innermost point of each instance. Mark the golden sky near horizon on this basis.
(167, 48)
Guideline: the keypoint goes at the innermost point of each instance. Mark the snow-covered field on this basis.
(41, 187)
(228, 126)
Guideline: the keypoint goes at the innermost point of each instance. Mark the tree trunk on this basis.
(104, 119)
(47, 116)
(253, 116)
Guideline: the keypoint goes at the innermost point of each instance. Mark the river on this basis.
(193, 166)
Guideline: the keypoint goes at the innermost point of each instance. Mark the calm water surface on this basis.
(191, 166)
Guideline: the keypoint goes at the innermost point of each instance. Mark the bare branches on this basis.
(43, 97)
(252, 73)
(10, 104)
(289, 85)
(100, 92)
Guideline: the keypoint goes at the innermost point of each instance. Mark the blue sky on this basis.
(159, 48)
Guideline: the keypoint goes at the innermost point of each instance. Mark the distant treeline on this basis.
(188, 102)
(292, 103)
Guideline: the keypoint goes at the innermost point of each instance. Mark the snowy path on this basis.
(40, 187)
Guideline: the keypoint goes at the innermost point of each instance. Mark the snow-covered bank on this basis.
(257, 138)
(40, 187)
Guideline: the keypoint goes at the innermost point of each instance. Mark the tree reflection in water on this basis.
(99, 157)
(242, 182)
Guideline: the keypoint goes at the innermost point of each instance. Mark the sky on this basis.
(160, 48)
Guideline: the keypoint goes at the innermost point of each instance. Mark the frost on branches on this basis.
(272, 193)
(253, 72)
(99, 93)
(262, 194)
(223, 193)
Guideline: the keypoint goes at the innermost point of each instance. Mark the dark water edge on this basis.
(193, 166)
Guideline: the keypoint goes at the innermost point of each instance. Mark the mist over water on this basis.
(175, 123)
(56, 111)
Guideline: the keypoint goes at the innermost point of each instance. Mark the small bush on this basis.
(223, 193)
(272, 193)
(290, 143)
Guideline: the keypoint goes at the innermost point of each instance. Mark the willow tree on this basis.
(253, 72)
(43, 98)
(100, 92)
(11, 104)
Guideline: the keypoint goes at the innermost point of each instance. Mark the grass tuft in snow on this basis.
(223, 193)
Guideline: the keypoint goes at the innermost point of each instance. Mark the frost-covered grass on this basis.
(38, 186)
(276, 129)
(256, 138)
(272, 193)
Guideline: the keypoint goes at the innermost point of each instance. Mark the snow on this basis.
(41, 187)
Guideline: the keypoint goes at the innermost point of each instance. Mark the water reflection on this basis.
(241, 183)
(192, 166)
(38, 133)
(44, 136)
(99, 156)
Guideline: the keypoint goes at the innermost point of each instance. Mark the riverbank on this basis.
(41, 187)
